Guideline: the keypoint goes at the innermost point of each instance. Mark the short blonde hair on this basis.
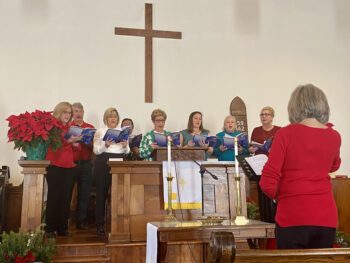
(270, 109)
(229, 116)
(109, 112)
(60, 108)
(308, 101)
(158, 113)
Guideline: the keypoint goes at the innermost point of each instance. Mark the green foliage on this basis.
(14, 245)
(252, 210)
(342, 239)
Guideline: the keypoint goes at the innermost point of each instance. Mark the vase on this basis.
(37, 153)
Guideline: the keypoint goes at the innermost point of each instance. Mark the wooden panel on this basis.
(341, 194)
(221, 194)
(184, 154)
(209, 198)
(154, 200)
(13, 208)
(147, 179)
(137, 199)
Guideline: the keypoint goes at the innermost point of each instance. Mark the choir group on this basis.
(296, 174)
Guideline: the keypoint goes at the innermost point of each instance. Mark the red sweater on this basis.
(296, 174)
(63, 157)
(85, 151)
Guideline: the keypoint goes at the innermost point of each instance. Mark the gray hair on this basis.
(308, 101)
(78, 105)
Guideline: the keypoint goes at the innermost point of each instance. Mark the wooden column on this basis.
(32, 200)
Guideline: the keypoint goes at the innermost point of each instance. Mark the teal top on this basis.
(228, 155)
(188, 136)
(145, 149)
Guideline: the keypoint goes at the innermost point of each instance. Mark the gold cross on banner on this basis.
(182, 182)
(148, 33)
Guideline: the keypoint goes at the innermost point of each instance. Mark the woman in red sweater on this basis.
(59, 176)
(297, 173)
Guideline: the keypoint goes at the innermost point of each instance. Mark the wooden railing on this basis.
(293, 255)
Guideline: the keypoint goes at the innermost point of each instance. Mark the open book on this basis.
(88, 133)
(162, 139)
(257, 162)
(135, 141)
(118, 135)
(212, 140)
(229, 141)
(265, 147)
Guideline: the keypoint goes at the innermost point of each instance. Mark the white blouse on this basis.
(100, 146)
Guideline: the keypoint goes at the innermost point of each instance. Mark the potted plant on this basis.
(34, 133)
(23, 247)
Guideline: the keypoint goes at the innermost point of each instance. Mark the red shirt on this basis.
(296, 174)
(85, 151)
(260, 135)
(63, 157)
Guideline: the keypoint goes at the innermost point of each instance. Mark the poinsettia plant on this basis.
(252, 209)
(29, 129)
(25, 247)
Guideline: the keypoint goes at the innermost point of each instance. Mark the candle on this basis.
(169, 155)
(236, 154)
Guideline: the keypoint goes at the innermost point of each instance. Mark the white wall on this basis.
(52, 51)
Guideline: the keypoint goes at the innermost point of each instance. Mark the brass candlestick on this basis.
(169, 217)
(240, 219)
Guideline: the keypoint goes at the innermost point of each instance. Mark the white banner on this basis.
(186, 185)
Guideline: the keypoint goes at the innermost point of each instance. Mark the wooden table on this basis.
(195, 231)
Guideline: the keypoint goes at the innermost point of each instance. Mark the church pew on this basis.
(293, 255)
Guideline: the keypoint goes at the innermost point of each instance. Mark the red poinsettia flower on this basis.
(250, 200)
(28, 129)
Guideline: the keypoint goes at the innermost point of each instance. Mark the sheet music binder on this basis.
(248, 171)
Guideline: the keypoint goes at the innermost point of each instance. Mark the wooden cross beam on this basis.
(148, 33)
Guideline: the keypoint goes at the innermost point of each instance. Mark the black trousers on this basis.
(103, 182)
(60, 181)
(83, 177)
(299, 237)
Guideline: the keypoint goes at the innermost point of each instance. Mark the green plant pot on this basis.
(37, 153)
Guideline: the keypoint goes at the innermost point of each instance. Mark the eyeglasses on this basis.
(159, 120)
(67, 112)
(265, 114)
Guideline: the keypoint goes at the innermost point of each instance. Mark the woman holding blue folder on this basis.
(195, 127)
(223, 153)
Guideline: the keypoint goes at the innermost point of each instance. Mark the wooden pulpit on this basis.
(33, 189)
(179, 154)
(137, 197)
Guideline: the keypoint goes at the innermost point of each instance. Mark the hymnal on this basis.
(88, 133)
(118, 135)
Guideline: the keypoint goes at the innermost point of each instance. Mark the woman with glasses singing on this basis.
(60, 176)
(147, 146)
(264, 132)
(260, 134)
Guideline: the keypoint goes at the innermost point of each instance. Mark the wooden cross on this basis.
(148, 33)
